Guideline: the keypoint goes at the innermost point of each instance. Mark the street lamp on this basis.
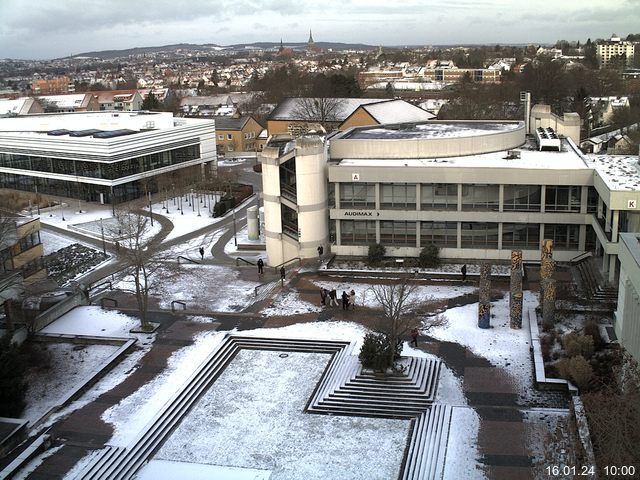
(150, 211)
(104, 245)
(235, 238)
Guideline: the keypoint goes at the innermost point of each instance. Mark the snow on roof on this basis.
(619, 172)
(288, 108)
(397, 111)
(529, 158)
(66, 101)
(432, 130)
(12, 106)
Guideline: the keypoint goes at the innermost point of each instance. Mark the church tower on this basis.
(310, 43)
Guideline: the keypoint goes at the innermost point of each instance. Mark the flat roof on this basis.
(433, 129)
(530, 158)
(619, 172)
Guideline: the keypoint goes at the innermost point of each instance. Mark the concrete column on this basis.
(500, 236)
(582, 238)
(607, 221)
(501, 198)
(614, 225)
(600, 207)
(377, 231)
(515, 290)
(336, 192)
(484, 296)
(584, 199)
(543, 197)
(418, 239)
(612, 268)
(459, 235)
(253, 231)
(459, 198)
(338, 232)
(605, 262)
(378, 190)
(418, 196)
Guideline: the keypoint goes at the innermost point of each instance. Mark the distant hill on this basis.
(104, 54)
(209, 47)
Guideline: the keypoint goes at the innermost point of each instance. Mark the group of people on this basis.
(330, 298)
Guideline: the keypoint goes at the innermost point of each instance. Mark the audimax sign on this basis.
(361, 213)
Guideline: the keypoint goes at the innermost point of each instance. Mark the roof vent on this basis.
(513, 154)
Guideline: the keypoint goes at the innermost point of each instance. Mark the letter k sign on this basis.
(355, 177)
(631, 204)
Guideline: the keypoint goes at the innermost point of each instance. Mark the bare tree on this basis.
(141, 251)
(324, 110)
(401, 312)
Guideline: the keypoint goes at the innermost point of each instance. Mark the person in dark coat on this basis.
(345, 300)
(282, 274)
(463, 270)
(260, 266)
(320, 250)
(414, 337)
(323, 296)
(333, 300)
(202, 253)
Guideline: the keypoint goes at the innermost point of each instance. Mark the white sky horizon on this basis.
(42, 29)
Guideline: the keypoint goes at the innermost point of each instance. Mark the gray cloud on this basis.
(51, 28)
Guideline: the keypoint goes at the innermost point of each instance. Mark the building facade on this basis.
(477, 190)
(236, 134)
(104, 156)
(615, 52)
(627, 316)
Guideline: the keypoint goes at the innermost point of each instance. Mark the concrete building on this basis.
(54, 86)
(610, 52)
(627, 316)
(104, 156)
(21, 254)
(476, 189)
(236, 134)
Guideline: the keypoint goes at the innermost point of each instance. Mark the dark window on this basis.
(442, 234)
(479, 235)
(520, 235)
(522, 198)
(357, 195)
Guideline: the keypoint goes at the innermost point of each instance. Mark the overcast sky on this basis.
(43, 29)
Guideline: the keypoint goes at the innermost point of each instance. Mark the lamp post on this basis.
(104, 245)
(150, 211)
(235, 237)
(62, 210)
(199, 206)
(37, 200)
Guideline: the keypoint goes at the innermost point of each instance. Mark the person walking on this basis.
(323, 296)
(260, 266)
(345, 300)
(414, 337)
(352, 299)
(463, 271)
(333, 301)
(202, 253)
(282, 274)
(320, 251)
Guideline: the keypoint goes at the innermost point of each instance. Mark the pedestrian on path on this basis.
(345, 300)
(323, 296)
(320, 251)
(463, 271)
(352, 299)
(282, 274)
(414, 337)
(260, 266)
(202, 253)
(333, 298)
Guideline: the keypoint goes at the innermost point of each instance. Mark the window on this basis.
(220, 137)
(357, 232)
(398, 234)
(520, 235)
(230, 148)
(398, 196)
(592, 200)
(522, 198)
(562, 199)
(439, 196)
(480, 197)
(441, 234)
(229, 136)
(479, 235)
(357, 195)
(565, 237)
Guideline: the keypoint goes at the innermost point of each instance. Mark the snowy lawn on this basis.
(52, 242)
(209, 287)
(501, 345)
(462, 447)
(93, 321)
(62, 367)
(253, 417)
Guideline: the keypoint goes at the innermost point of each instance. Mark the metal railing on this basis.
(283, 264)
(240, 259)
(188, 259)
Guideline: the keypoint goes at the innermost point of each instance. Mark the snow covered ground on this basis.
(65, 367)
(93, 321)
(253, 417)
(52, 242)
(501, 345)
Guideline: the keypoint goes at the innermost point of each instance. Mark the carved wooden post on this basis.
(549, 303)
(546, 269)
(484, 296)
(515, 290)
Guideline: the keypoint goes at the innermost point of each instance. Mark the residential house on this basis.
(76, 102)
(238, 133)
(19, 106)
(385, 112)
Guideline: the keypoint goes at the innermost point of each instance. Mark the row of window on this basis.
(247, 136)
(109, 171)
(445, 234)
(444, 196)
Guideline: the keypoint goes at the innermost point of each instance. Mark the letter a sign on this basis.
(355, 177)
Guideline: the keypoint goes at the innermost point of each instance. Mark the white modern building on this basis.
(476, 189)
(104, 156)
(627, 321)
(615, 48)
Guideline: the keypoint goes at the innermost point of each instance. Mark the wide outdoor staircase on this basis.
(593, 286)
(426, 456)
(343, 390)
